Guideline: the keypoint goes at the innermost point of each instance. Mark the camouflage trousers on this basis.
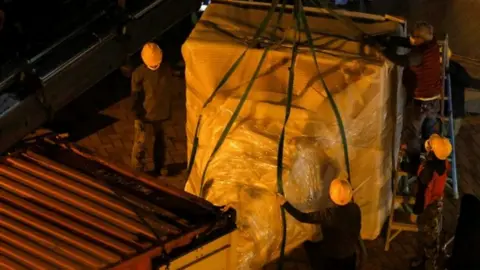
(148, 137)
(430, 226)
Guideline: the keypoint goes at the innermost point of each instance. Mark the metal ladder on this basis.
(447, 116)
(399, 220)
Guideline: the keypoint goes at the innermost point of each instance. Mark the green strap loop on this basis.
(225, 78)
(210, 98)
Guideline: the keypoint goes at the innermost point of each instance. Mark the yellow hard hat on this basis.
(341, 192)
(152, 55)
(441, 147)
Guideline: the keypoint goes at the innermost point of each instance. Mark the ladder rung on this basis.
(405, 199)
(410, 227)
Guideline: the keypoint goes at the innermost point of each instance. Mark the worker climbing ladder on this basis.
(403, 200)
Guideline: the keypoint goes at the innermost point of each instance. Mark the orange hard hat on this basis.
(440, 146)
(341, 192)
(152, 55)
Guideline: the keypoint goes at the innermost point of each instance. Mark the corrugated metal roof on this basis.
(62, 209)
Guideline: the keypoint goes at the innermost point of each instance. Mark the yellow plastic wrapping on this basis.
(243, 172)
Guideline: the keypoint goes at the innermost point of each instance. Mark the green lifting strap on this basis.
(225, 78)
(232, 120)
(214, 93)
(281, 142)
(281, 145)
(327, 91)
(329, 95)
(301, 21)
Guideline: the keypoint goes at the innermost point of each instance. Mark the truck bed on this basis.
(63, 208)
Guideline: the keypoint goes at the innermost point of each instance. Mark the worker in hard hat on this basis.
(340, 227)
(151, 105)
(431, 180)
(422, 81)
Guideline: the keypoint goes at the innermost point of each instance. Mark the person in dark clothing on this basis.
(466, 244)
(151, 105)
(459, 80)
(432, 177)
(340, 226)
(422, 81)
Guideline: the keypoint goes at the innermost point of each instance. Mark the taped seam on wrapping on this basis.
(291, 76)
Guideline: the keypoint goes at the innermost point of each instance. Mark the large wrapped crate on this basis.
(243, 173)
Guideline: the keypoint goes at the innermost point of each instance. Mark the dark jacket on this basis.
(432, 177)
(459, 80)
(151, 93)
(340, 228)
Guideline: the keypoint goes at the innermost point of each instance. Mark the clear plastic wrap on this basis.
(243, 172)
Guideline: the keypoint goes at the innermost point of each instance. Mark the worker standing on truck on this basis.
(422, 80)
(432, 177)
(151, 105)
(340, 227)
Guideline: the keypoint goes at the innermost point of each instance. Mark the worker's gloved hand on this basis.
(377, 41)
(226, 208)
